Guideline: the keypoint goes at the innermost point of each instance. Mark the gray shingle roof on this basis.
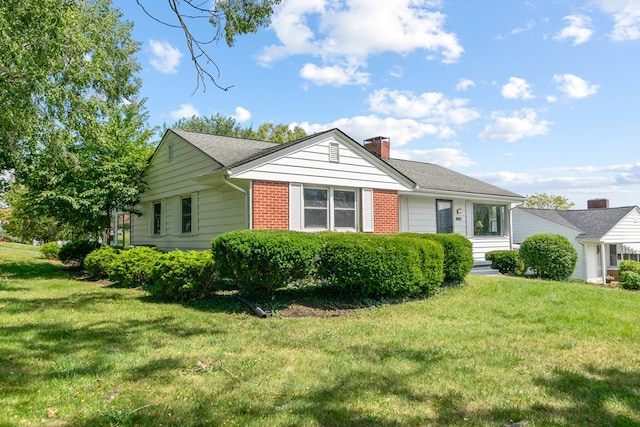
(429, 176)
(231, 151)
(592, 223)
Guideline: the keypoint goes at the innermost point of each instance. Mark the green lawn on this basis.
(495, 351)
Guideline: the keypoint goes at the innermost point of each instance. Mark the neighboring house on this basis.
(199, 186)
(601, 235)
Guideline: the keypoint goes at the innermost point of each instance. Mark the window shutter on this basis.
(149, 212)
(177, 215)
(295, 207)
(367, 210)
(194, 214)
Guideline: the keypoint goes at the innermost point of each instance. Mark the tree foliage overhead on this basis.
(73, 129)
(548, 201)
(229, 18)
(228, 126)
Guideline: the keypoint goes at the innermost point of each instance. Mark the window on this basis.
(157, 219)
(185, 205)
(327, 209)
(444, 218)
(488, 220)
(316, 208)
(613, 255)
(344, 210)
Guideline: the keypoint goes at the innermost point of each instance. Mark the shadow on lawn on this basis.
(40, 269)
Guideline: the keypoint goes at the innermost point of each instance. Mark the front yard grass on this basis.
(496, 351)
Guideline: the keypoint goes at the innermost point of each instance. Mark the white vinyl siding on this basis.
(312, 166)
(627, 230)
(215, 210)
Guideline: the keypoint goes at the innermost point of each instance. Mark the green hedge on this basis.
(75, 252)
(380, 265)
(506, 262)
(99, 261)
(50, 250)
(132, 268)
(549, 256)
(262, 261)
(458, 254)
(181, 276)
(629, 274)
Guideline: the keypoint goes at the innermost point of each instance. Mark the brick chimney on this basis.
(598, 204)
(378, 145)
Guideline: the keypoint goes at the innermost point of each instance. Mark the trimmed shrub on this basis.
(549, 256)
(629, 275)
(262, 261)
(50, 250)
(132, 268)
(378, 266)
(76, 251)
(458, 255)
(183, 276)
(506, 262)
(98, 262)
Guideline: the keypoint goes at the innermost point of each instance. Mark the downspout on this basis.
(604, 266)
(246, 200)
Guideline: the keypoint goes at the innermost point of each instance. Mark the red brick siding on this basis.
(385, 212)
(270, 205)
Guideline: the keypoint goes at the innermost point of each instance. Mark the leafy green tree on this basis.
(548, 201)
(228, 126)
(229, 18)
(83, 144)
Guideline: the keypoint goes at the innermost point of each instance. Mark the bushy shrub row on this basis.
(629, 274)
(50, 250)
(261, 261)
(76, 251)
(381, 266)
(396, 265)
(549, 256)
(506, 262)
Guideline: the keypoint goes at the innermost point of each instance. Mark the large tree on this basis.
(78, 141)
(228, 126)
(548, 201)
(229, 18)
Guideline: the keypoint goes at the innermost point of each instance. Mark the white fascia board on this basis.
(462, 195)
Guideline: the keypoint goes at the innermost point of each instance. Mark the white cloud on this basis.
(401, 131)
(430, 106)
(464, 84)
(334, 75)
(579, 29)
(626, 16)
(242, 114)
(521, 124)
(165, 58)
(447, 157)
(574, 87)
(185, 111)
(350, 31)
(517, 88)
(528, 27)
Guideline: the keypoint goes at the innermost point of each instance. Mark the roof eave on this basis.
(464, 195)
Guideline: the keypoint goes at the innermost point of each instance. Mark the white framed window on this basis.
(329, 209)
(488, 220)
(185, 215)
(157, 219)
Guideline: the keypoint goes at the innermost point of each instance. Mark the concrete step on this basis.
(483, 268)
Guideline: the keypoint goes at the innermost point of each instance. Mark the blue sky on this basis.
(533, 96)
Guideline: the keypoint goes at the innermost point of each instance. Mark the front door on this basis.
(444, 216)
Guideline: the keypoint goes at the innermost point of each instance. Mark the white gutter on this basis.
(248, 216)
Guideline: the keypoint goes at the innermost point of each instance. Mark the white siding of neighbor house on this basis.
(311, 165)
(626, 231)
(214, 211)
(526, 224)
(418, 215)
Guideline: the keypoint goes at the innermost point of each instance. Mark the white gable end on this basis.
(328, 162)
